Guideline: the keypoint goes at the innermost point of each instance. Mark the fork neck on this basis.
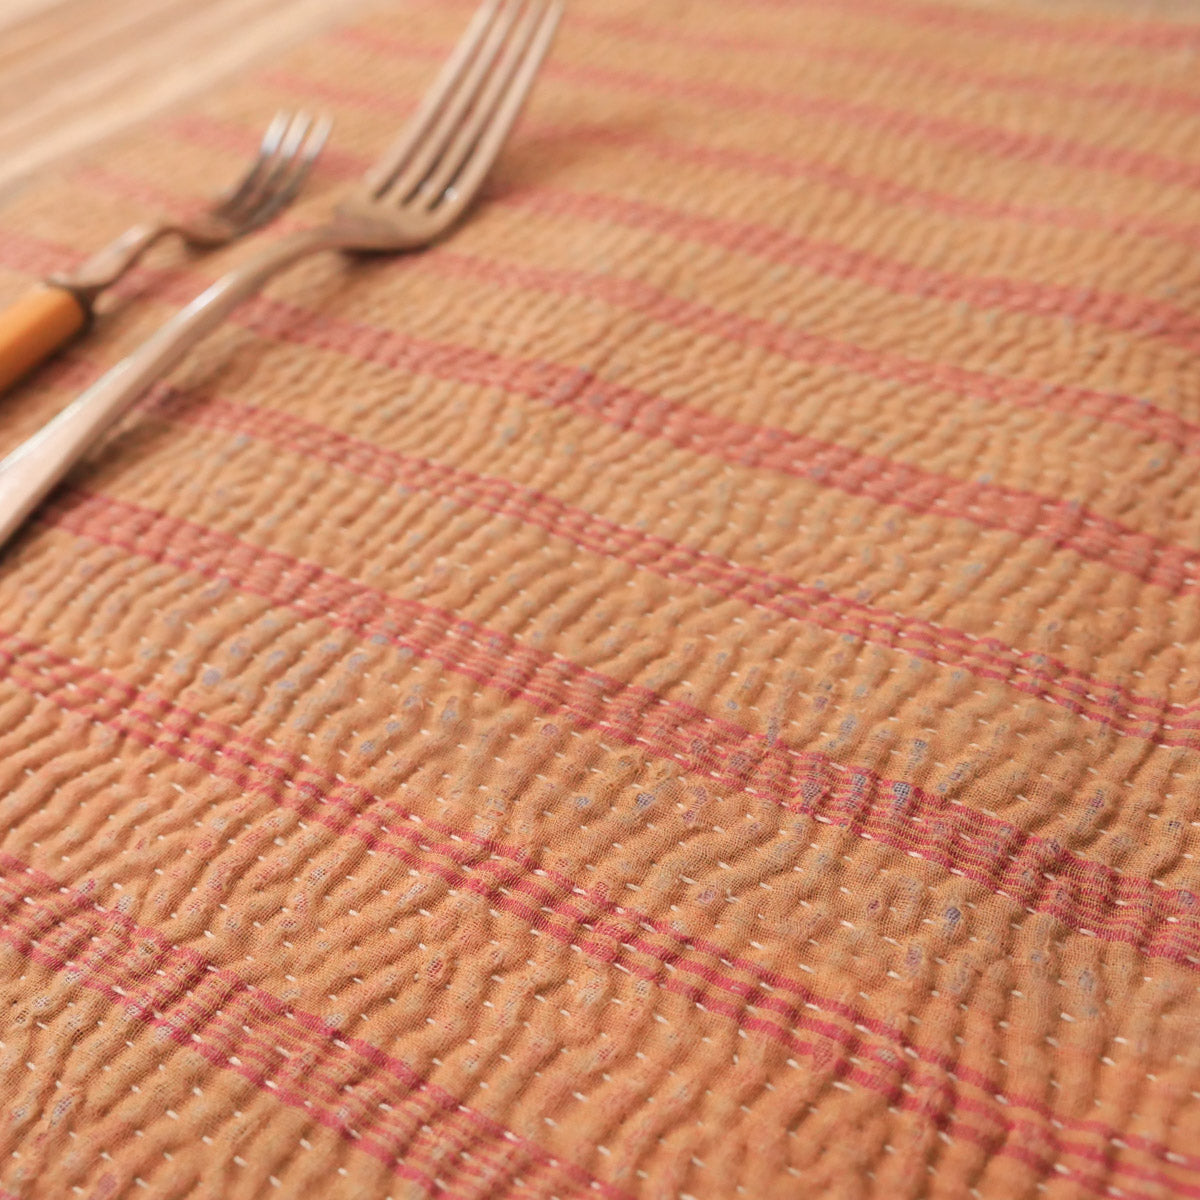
(106, 266)
(166, 347)
(247, 277)
(103, 269)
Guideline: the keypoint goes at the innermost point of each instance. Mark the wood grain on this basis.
(74, 71)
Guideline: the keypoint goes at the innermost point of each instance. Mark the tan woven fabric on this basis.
(687, 689)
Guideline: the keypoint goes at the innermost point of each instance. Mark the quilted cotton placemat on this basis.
(687, 689)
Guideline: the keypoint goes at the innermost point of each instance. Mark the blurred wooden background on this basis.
(72, 71)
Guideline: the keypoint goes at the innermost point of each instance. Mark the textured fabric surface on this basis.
(687, 689)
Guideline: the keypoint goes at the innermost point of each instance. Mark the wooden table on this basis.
(73, 71)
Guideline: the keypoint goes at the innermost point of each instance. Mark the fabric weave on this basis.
(687, 688)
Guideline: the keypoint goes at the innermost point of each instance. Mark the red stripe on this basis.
(882, 190)
(999, 22)
(223, 751)
(959, 134)
(792, 166)
(774, 246)
(1131, 412)
(1123, 313)
(1044, 677)
(1063, 524)
(266, 1061)
(905, 64)
(228, 1045)
(1093, 698)
(1036, 873)
(1143, 32)
(184, 1001)
(165, 726)
(1110, 310)
(1120, 312)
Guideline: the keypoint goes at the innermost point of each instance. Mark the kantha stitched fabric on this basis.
(687, 689)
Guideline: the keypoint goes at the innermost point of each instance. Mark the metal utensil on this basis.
(36, 325)
(416, 191)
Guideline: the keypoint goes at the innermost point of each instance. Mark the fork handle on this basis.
(32, 470)
(36, 325)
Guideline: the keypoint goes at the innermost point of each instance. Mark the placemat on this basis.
(686, 689)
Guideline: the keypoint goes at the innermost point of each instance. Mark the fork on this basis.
(410, 197)
(46, 317)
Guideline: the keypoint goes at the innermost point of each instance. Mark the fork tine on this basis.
(394, 158)
(266, 151)
(450, 163)
(276, 169)
(291, 183)
(461, 189)
(430, 148)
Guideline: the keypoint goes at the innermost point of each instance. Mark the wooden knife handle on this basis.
(31, 471)
(34, 327)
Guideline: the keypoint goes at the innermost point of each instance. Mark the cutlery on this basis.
(50, 314)
(410, 197)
